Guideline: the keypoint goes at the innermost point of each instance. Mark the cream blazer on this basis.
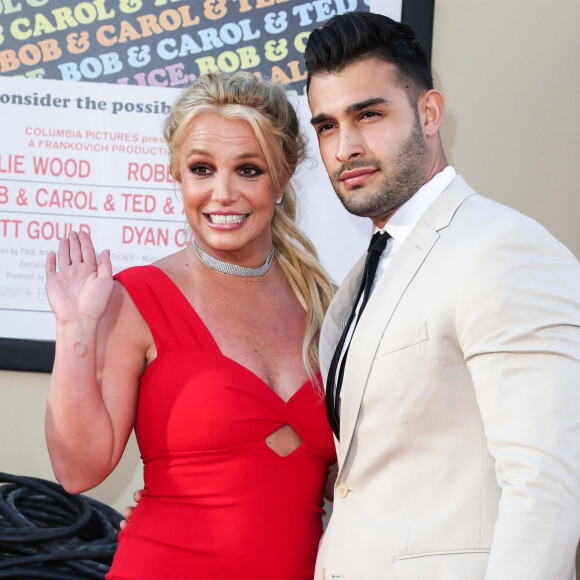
(459, 454)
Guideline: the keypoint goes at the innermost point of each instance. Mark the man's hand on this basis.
(128, 511)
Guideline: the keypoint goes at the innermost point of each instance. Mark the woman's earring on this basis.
(279, 201)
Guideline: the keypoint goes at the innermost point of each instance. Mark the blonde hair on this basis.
(265, 106)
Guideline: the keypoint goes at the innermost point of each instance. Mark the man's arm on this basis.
(519, 327)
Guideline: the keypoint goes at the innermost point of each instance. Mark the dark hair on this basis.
(355, 36)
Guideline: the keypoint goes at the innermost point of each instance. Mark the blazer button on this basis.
(342, 490)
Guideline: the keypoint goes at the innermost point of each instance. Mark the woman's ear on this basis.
(283, 185)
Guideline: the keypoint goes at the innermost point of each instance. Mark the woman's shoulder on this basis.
(133, 273)
(155, 270)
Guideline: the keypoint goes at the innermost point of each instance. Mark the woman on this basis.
(211, 354)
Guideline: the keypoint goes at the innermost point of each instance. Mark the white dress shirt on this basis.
(402, 222)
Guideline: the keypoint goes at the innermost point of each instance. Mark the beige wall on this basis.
(23, 448)
(509, 71)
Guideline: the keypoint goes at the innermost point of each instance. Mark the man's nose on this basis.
(349, 147)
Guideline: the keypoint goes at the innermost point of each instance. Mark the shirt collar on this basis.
(402, 222)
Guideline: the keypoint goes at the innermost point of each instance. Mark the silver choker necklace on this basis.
(228, 267)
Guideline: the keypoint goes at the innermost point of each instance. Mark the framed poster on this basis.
(87, 153)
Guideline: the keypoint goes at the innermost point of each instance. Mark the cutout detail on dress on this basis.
(284, 441)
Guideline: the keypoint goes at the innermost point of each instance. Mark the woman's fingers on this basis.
(76, 248)
(87, 249)
(104, 267)
(50, 266)
(76, 255)
(63, 254)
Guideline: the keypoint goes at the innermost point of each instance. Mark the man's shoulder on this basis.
(480, 220)
(490, 212)
(460, 208)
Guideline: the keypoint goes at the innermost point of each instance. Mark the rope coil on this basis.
(47, 533)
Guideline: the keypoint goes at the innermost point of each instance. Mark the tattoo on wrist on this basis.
(80, 349)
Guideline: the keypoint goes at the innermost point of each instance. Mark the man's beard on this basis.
(409, 165)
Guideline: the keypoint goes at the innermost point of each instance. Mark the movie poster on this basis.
(84, 91)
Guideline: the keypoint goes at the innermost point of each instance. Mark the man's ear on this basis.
(430, 106)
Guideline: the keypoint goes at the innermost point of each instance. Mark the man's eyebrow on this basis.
(322, 117)
(365, 104)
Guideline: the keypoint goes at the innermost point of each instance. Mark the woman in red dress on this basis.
(210, 354)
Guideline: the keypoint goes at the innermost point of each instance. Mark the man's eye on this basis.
(325, 127)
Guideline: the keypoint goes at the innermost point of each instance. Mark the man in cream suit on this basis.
(455, 398)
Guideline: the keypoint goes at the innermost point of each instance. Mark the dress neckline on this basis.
(216, 347)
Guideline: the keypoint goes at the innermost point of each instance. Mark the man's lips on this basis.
(357, 176)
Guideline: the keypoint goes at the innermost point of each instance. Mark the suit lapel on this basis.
(337, 315)
(387, 294)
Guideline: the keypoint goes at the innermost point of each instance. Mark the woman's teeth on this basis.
(226, 219)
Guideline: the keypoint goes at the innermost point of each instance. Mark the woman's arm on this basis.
(99, 357)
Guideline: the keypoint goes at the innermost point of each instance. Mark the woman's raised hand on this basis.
(83, 284)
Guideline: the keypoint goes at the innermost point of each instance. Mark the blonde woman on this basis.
(210, 354)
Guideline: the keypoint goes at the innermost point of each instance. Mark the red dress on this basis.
(219, 502)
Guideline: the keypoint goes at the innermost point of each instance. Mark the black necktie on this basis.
(334, 381)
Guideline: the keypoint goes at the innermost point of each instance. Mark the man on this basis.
(455, 398)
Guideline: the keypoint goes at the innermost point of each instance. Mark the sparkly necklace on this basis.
(233, 269)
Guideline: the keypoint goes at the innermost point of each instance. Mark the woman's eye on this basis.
(250, 171)
(199, 169)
